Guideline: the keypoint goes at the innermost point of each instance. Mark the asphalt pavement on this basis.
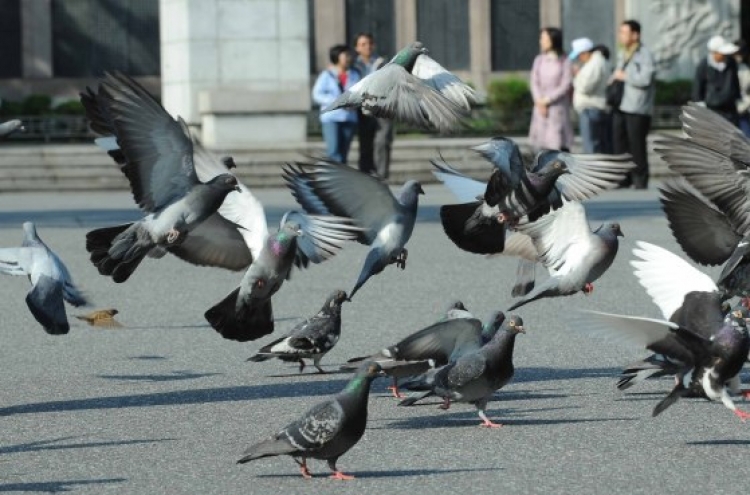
(165, 405)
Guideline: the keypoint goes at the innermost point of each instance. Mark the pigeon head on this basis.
(515, 325)
(410, 192)
(493, 324)
(336, 299)
(112, 312)
(613, 228)
(408, 55)
(225, 182)
(457, 305)
(290, 229)
(740, 315)
(555, 169)
(498, 150)
(228, 162)
(29, 230)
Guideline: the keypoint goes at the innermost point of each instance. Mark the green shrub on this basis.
(36, 105)
(10, 108)
(673, 93)
(70, 107)
(508, 95)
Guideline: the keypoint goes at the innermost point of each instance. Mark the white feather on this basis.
(634, 330)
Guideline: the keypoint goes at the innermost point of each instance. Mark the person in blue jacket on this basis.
(339, 126)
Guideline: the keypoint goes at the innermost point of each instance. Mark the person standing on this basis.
(375, 134)
(551, 82)
(338, 125)
(716, 83)
(743, 73)
(631, 118)
(589, 85)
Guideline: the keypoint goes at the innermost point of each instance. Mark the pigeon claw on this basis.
(489, 424)
(338, 475)
(305, 472)
(446, 404)
(395, 392)
(588, 289)
(742, 415)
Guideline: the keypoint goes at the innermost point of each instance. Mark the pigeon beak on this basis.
(237, 188)
(619, 232)
(520, 329)
(420, 190)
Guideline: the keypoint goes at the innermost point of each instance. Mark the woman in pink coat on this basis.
(551, 85)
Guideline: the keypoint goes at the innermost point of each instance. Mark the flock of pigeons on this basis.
(196, 209)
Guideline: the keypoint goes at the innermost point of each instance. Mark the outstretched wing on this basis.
(453, 88)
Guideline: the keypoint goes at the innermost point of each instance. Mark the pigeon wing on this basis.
(453, 88)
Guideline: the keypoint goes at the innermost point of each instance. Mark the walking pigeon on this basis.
(432, 346)
(11, 126)
(411, 88)
(159, 158)
(476, 376)
(327, 431)
(311, 339)
(101, 318)
(574, 256)
(710, 347)
(387, 222)
(51, 283)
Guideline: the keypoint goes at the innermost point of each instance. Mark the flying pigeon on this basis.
(474, 377)
(311, 339)
(101, 318)
(435, 345)
(574, 256)
(327, 431)
(387, 222)
(478, 224)
(11, 126)
(411, 88)
(51, 283)
(711, 347)
(159, 158)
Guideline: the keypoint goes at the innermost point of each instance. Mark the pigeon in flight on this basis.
(327, 431)
(412, 88)
(475, 376)
(51, 283)
(11, 126)
(574, 255)
(311, 339)
(101, 318)
(387, 222)
(159, 158)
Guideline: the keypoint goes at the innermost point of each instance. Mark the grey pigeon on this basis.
(159, 159)
(457, 309)
(50, 280)
(387, 222)
(311, 339)
(11, 126)
(574, 256)
(327, 431)
(246, 313)
(476, 376)
(411, 88)
(432, 346)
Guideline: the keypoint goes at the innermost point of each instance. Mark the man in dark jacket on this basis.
(716, 83)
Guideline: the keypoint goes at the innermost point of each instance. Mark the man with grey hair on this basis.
(716, 82)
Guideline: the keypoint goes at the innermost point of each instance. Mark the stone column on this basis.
(406, 22)
(481, 41)
(550, 13)
(237, 69)
(36, 38)
(330, 29)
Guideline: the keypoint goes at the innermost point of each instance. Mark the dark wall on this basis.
(514, 33)
(376, 17)
(10, 38)
(443, 27)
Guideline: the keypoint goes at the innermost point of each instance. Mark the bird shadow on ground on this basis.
(181, 397)
(55, 486)
(172, 376)
(147, 358)
(470, 418)
(719, 442)
(55, 445)
(543, 373)
(392, 473)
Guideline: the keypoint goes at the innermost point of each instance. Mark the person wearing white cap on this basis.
(716, 82)
(589, 86)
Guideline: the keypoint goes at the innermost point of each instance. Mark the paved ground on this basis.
(167, 403)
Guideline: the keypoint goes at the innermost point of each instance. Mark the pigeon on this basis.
(476, 376)
(327, 431)
(432, 346)
(574, 256)
(11, 126)
(101, 318)
(704, 348)
(246, 313)
(51, 283)
(159, 158)
(311, 339)
(414, 89)
(387, 222)
(478, 224)
(457, 309)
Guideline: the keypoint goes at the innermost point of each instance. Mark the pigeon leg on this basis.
(338, 475)
(742, 415)
(316, 363)
(394, 389)
(588, 289)
(727, 401)
(401, 259)
(486, 422)
(303, 468)
(745, 394)
(446, 404)
(301, 365)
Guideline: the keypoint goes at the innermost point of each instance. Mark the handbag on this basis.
(615, 90)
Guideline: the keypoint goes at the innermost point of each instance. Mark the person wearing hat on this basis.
(589, 86)
(716, 82)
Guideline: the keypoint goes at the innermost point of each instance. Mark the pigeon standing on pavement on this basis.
(476, 376)
(51, 283)
(412, 88)
(159, 159)
(311, 339)
(574, 255)
(101, 318)
(327, 431)
(387, 222)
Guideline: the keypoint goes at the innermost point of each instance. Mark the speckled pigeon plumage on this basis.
(310, 339)
(327, 431)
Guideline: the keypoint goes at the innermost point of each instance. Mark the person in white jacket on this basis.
(589, 86)
(743, 73)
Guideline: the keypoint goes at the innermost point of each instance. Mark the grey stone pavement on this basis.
(167, 406)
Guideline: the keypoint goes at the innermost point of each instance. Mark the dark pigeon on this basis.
(476, 376)
(327, 431)
(311, 339)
